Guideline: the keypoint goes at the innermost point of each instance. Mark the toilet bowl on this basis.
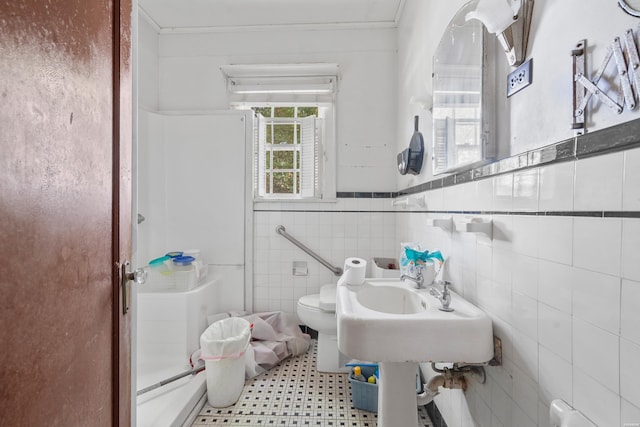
(318, 311)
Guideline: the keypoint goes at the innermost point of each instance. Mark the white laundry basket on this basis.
(223, 346)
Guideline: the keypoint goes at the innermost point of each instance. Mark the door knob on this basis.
(139, 276)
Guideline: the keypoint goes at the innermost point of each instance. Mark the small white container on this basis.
(385, 268)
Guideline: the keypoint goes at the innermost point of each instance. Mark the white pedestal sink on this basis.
(389, 322)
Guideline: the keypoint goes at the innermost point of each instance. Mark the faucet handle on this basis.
(446, 296)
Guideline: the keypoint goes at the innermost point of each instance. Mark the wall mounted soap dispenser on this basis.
(410, 160)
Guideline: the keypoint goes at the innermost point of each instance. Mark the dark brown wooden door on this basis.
(65, 144)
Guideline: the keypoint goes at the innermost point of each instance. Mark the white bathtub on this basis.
(169, 326)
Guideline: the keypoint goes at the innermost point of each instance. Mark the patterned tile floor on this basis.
(295, 394)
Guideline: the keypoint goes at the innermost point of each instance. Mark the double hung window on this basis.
(294, 137)
(286, 152)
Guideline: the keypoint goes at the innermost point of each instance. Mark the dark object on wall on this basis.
(410, 160)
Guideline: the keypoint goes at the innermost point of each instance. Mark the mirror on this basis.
(462, 121)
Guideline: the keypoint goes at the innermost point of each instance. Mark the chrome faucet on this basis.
(418, 280)
(444, 297)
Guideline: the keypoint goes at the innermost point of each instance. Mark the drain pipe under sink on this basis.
(452, 378)
(429, 390)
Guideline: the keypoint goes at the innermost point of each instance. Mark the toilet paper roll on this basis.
(354, 271)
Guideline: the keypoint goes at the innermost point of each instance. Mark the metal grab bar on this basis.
(283, 232)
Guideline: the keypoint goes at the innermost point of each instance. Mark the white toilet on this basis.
(318, 311)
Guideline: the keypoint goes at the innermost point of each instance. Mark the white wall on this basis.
(148, 71)
(563, 291)
(190, 78)
(541, 114)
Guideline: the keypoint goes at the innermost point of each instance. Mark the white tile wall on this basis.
(597, 244)
(629, 413)
(630, 257)
(554, 285)
(563, 291)
(629, 386)
(596, 353)
(555, 377)
(597, 402)
(629, 311)
(554, 330)
(335, 231)
(591, 290)
(598, 183)
(555, 236)
(630, 187)
(556, 187)
(525, 190)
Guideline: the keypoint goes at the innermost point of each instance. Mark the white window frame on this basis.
(291, 85)
(320, 186)
(307, 172)
(295, 148)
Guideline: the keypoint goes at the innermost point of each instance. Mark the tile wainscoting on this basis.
(560, 275)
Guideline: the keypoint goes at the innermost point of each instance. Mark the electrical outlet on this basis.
(519, 78)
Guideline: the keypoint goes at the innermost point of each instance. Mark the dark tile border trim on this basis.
(366, 195)
(324, 211)
(579, 214)
(623, 136)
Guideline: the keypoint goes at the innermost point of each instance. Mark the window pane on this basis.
(284, 112)
(269, 134)
(307, 111)
(283, 134)
(298, 181)
(297, 133)
(265, 111)
(268, 183)
(282, 183)
(283, 160)
(268, 160)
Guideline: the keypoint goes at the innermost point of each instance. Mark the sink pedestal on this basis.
(397, 402)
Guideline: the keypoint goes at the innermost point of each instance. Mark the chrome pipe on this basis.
(283, 232)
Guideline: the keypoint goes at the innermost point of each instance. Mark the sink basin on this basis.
(388, 320)
(391, 300)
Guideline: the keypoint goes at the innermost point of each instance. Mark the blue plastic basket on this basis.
(364, 395)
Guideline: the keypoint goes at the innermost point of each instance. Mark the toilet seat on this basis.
(312, 302)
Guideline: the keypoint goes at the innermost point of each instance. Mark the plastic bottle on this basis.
(357, 374)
